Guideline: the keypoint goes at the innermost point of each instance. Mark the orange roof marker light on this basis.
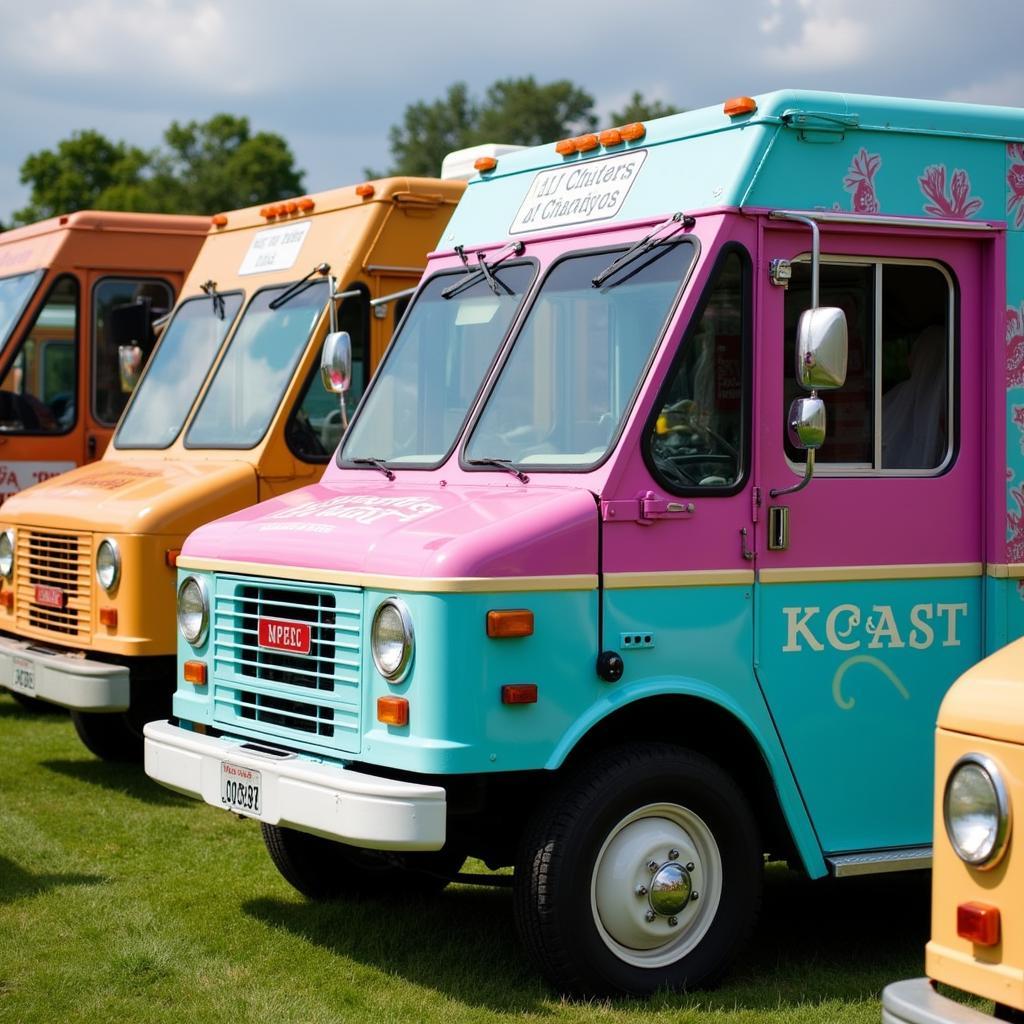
(365, 191)
(306, 204)
(632, 132)
(610, 137)
(566, 147)
(220, 220)
(485, 163)
(738, 105)
(585, 143)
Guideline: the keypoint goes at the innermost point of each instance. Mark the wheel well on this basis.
(708, 729)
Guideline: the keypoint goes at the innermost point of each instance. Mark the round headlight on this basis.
(7, 553)
(976, 810)
(108, 563)
(193, 610)
(391, 639)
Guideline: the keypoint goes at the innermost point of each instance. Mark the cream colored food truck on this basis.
(230, 410)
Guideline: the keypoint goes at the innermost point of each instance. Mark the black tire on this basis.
(646, 798)
(37, 706)
(322, 869)
(112, 737)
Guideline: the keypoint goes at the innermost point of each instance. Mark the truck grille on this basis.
(309, 700)
(59, 565)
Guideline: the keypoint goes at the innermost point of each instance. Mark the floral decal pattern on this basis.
(1015, 347)
(957, 202)
(860, 181)
(1015, 183)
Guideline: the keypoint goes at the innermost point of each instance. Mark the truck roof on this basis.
(107, 220)
(797, 149)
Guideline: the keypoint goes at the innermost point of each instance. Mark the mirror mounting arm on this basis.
(777, 492)
(815, 247)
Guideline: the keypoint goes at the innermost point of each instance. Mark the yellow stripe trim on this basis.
(1011, 571)
(409, 584)
(843, 573)
(697, 578)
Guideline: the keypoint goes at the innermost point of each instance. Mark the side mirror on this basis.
(821, 349)
(807, 423)
(129, 366)
(336, 362)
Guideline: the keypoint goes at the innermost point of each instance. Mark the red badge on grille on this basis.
(285, 635)
(51, 597)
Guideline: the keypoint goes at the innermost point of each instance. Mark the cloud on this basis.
(1005, 89)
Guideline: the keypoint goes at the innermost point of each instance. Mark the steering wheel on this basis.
(688, 469)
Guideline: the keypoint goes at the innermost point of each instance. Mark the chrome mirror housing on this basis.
(336, 362)
(821, 348)
(807, 423)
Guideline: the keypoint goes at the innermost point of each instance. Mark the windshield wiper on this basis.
(483, 270)
(505, 464)
(323, 269)
(376, 463)
(645, 245)
(210, 288)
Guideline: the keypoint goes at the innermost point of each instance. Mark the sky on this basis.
(332, 77)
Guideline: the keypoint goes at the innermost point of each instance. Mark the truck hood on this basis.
(989, 699)
(156, 496)
(401, 529)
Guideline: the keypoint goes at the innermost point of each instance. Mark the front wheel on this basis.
(644, 873)
(322, 869)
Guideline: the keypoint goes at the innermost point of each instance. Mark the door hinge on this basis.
(755, 503)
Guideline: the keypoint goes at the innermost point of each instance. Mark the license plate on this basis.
(50, 597)
(285, 635)
(241, 789)
(24, 678)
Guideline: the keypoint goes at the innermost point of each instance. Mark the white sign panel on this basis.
(589, 191)
(274, 248)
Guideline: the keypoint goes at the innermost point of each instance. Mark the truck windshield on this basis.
(416, 407)
(575, 364)
(176, 371)
(250, 380)
(15, 293)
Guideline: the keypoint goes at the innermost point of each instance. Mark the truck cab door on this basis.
(869, 580)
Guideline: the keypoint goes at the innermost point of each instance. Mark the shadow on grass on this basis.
(17, 883)
(28, 707)
(825, 940)
(130, 779)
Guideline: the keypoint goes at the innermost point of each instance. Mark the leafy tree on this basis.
(519, 111)
(82, 172)
(203, 167)
(639, 109)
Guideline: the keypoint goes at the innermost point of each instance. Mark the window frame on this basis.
(178, 305)
(468, 418)
(875, 470)
(365, 295)
(14, 351)
(747, 376)
(94, 347)
(40, 275)
(505, 353)
(223, 354)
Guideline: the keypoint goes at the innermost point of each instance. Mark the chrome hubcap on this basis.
(670, 889)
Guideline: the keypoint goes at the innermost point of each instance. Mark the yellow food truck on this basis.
(977, 941)
(229, 410)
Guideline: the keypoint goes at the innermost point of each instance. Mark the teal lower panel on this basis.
(854, 673)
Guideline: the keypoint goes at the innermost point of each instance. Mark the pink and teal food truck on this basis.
(692, 478)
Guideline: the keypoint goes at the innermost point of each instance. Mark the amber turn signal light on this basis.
(508, 622)
(194, 672)
(7, 599)
(171, 557)
(978, 922)
(519, 693)
(739, 105)
(393, 710)
(108, 616)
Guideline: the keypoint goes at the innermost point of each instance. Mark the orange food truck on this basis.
(229, 410)
(73, 290)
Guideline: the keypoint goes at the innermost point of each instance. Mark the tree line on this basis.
(203, 167)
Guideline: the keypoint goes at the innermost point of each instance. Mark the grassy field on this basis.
(120, 901)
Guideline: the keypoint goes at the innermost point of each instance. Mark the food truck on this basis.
(73, 289)
(692, 479)
(977, 943)
(229, 411)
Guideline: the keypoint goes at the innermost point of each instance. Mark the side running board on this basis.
(875, 862)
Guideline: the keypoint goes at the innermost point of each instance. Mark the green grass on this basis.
(120, 901)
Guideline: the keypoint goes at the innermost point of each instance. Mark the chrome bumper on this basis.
(916, 1002)
(327, 800)
(79, 683)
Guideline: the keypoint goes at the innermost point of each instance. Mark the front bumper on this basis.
(35, 670)
(327, 800)
(917, 1002)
